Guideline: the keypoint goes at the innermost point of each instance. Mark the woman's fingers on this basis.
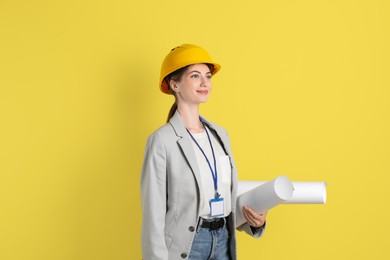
(254, 219)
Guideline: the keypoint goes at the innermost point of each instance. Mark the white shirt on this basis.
(206, 179)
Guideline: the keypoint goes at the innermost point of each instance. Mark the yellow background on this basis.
(303, 91)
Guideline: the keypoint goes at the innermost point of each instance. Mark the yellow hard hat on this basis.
(181, 56)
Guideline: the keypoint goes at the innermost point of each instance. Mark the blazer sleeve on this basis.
(153, 195)
(254, 232)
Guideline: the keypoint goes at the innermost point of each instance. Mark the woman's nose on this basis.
(203, 82)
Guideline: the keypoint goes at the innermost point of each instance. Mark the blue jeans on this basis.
(210, 244)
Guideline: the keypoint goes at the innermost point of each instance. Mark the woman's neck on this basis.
(190, 117)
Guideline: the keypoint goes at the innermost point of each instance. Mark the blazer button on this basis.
(191, 229)
(183, 255)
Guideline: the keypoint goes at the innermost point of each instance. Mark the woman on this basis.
(189, 178)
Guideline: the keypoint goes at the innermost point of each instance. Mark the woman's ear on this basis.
(173, 85)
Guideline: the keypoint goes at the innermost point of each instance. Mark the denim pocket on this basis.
(226, 231)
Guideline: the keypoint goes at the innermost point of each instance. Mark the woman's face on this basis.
(194, 87)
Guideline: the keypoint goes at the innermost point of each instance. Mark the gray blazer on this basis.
(170, 192)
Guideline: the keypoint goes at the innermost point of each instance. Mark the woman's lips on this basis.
(203, 92)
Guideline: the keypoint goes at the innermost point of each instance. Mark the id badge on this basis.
(216, 207)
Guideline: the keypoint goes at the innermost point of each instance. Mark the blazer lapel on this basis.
(185, 144)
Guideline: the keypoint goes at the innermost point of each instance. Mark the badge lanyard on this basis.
(213, 172)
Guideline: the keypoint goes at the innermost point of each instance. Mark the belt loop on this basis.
(200, 222)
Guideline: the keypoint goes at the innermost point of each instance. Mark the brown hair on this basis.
(176, 76)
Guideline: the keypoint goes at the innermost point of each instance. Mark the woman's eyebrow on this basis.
(196, 71)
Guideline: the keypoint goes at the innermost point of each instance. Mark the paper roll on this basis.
(304, 192)
(308, 193)
(264, 197)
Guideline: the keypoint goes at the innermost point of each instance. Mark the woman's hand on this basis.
(254, 219)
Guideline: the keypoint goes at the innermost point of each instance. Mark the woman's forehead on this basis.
(202, 67)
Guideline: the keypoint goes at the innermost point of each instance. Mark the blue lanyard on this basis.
(213, 172)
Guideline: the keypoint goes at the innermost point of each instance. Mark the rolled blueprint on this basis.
(264, 197)
(308, 193)
(304, 192)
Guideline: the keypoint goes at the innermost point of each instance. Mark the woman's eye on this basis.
(195, 76)
(208, 76)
